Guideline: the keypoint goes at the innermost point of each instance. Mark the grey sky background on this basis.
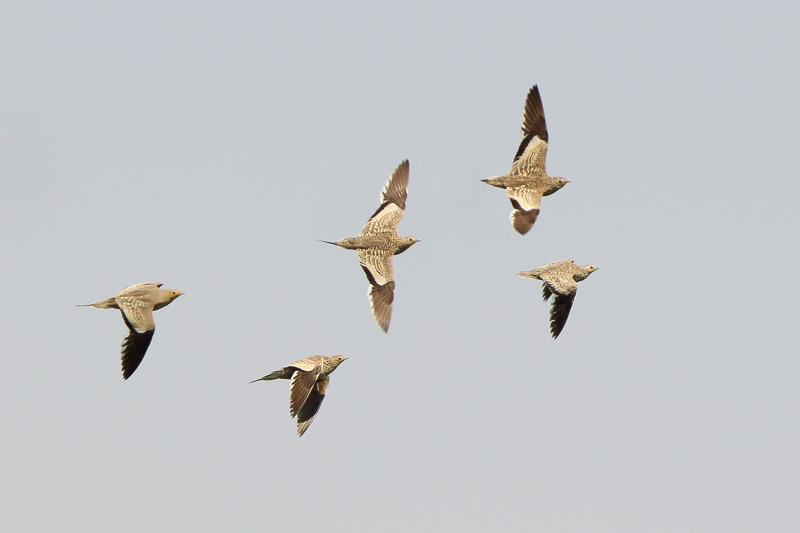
(208, 147)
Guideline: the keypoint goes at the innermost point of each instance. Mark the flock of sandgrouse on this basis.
(525, 184)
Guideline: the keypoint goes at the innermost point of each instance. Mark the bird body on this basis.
(378, 242)
(137, 303)
(308, 387)
(528, 180)
(560, 279)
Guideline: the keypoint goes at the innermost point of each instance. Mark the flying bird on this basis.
(137, 303)
(560, 279)
(379, 241)
(308, 387)
(528, 180)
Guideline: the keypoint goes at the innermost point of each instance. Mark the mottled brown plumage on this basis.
(528, 180)
(137, 303)
(308, 387)
(560, 279)
(378, 242)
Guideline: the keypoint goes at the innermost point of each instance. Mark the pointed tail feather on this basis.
(108, 303)
(278, 374)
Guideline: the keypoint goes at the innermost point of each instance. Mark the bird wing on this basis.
(564, 287)
(305, 364)
(562, 304)
(138, 311)
(526, 203)
(311, 406)
(396, 188)
(530, 158)
(532, 151)
(135, 345)
(377, 265)
(301, 386)
(533, 122)
(393, 203)
(560, 282)
(140, 289)
(546, 292)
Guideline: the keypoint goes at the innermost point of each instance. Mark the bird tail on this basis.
(278, 374)
(496, 181)
(108, 303)
(529, 274)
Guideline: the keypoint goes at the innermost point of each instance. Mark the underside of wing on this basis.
(133, 348)
(393, 203)
(311, 406)
(396, 189)
(138, 315)
(526, 203)
(531, 157)
(546, 292)
(384, 220)
(562, 304)
(533, 122)
(522, 220)
(381, 298)
(380, 274)
(377, 265)
(301, 386)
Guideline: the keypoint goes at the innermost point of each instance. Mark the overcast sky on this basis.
(209, 147)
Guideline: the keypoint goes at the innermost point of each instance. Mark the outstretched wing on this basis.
(559, 313)
(311, 406)
(564, 287)
(532, 151)
(546, 292)
(393, 203)
(303, 382)
(135, 345)
(526, 203)
(377, 265)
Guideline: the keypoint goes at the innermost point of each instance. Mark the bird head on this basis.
(555, 184)
(588, 269)
(338, 360)
(406, 244)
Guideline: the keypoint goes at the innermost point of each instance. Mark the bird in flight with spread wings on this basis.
(308, 387)
(528, 180)
(560, 279)
(137, 303)
(378, 242)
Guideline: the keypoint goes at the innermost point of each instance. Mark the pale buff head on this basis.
(586, 270)
(406, 244)
(556, 183)
(174, 294)
(337, 360)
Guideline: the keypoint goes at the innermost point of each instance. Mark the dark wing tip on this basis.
(382, 297)
(133, 349)
(560, 313)
(396, 189)
(521, 219)
(308, 411)
(533, 122)
(546, 292)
